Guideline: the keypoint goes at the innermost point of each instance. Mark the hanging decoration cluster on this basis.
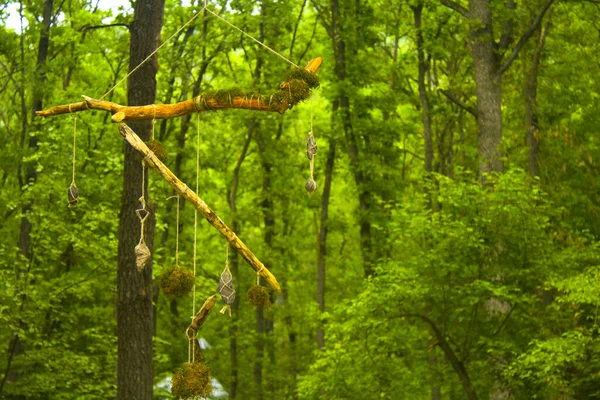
(226, 289)
(73, 192)
(142, 252)
(311, 152)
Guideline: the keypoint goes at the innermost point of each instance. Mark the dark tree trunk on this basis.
(323, 239)
(531, 113)
(488, 88)
(134, 289)
(30, 176)
(425, 115)
(343, 103)
(235, 225)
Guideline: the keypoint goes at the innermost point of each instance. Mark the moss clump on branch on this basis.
(159, 149)
(311, 79)
(259, 297)
(191, 380)
(295, 89)
(176, 282)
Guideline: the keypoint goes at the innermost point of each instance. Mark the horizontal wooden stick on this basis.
(152, 161)
(292, 91)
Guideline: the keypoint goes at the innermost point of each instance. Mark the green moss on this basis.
(159, 149)
(259, 297)
(311, 79)
(177, 281)
(191, 380)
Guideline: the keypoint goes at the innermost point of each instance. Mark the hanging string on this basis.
(176, 230)
(205, 8)
(196, 211)
(74, 142)
(152, 54)
(153, 122)
(251, 37)
(73, 192)
(142, 252)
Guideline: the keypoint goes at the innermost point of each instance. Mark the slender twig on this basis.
(526, 36)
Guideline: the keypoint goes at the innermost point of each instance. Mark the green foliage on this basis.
(507, 272)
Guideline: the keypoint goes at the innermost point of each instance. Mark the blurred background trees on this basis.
(410, 274)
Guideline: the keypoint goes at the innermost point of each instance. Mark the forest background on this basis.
(450, 251)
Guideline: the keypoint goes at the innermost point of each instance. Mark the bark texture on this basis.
(135, 374)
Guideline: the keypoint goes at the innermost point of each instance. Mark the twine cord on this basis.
(205, 8)
(74, 141)
(196, 211)
(251, 37)
(153, 121)
(143, 208)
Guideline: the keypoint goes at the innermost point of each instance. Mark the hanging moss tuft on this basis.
(311, 79)
(259, 297)
(159, 149)
(191, 380)
(176, 282)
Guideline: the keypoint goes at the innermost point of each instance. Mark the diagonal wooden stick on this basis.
(289, 95)
(152, 161)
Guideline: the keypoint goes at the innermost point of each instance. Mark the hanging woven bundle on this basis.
(311, 146)
(142, 256)
(310, 186)
(226, 290)
(73, 195)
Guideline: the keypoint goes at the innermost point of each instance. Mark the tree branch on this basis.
(450, 96)
(86, 28)
(292, 91)
(153, 162)
(457, 7)
(526, 36)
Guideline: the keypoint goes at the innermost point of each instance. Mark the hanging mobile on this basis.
(226, 289)
(142, 252)
(73, 192)
(176, 281)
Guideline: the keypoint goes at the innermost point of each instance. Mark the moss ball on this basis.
(259, 297)
(191, 380)
(176, 282)
(159, 149)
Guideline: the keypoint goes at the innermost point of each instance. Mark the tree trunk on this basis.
(425, 115)
(134, 289)
(235, 225)
(323, 239)
(531, 113)
(488, 88)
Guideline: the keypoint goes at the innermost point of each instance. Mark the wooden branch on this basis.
(295, 89)
(450, 96)
(201, 316)
(152, 161)
(526, 36)
(456, 7)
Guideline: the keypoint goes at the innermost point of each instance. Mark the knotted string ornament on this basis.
(73, 191)
(226, 289)
(142, 252)
(311, 152)
(258, 295)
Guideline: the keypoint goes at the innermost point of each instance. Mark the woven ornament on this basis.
(142, 256)
(73, 195)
